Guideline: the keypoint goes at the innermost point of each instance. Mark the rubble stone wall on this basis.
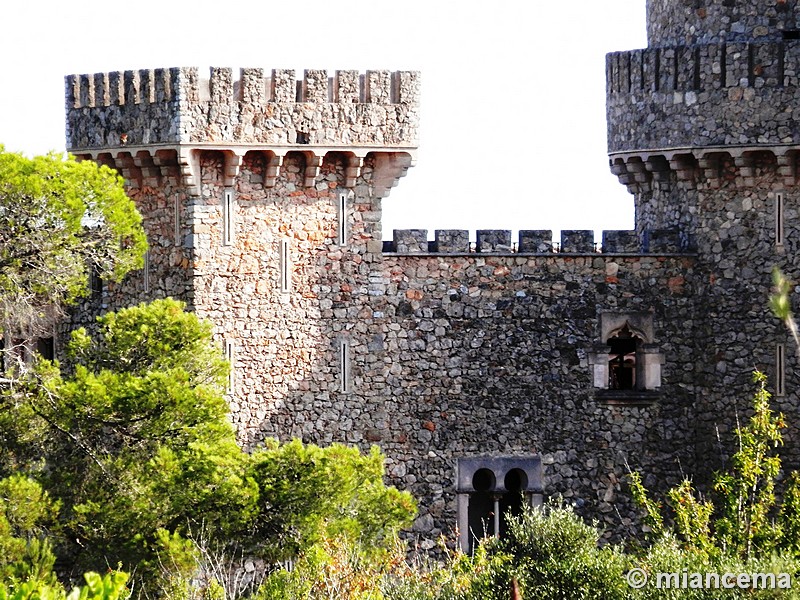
(170, 106)
(685, 22)
(734, 94)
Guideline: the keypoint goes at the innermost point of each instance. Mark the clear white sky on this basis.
(513, 131)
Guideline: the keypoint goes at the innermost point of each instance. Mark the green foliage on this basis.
(331, 568)
(138, 437)
(57, 217)
(108, 587)
(556, 555)
(653, 520)
(551, 554)
(747, 491)
(781, 304)
(308, 493)
(136, 446)
(746, 521)
(692, 517)
(26, 515)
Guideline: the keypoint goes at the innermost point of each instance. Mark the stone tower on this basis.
(704, 130)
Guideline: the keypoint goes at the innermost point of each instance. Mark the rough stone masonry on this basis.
(493, 371)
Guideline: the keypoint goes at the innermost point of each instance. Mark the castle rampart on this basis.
(704, 96)
(538, 242)
(176, 106)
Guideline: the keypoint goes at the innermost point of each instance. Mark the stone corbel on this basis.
(353, 170)
(625, 174)
(641, 178)
(389, 168)
(711, 170)
(659, 168)
(787, 167)
(147, 167)
(233, 164)
(746, 167)
(683, 165)
(126, 166)
(189, 163)
(166, 161)
(274, 162)
(313, 164)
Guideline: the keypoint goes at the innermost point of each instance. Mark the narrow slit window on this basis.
(227, 217)
(96, 282)
(286, 267)
(229, 355)
(344, 366)
(779, 219)
(342, 209)
(146, 272)
(780, 370)
(177, 220)
(45, 347)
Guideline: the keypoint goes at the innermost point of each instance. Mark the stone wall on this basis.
(170, 106)
(451, 354)
(736, 94)
(686, 22)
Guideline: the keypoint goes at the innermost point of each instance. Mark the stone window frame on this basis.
(146, 272)
(230, 355)
(649, 359)
(342, 214)
(285, 271)
(178, 209)
(780, 370)
(228, 221)
(500, 466)
(779, 221)
(345, 366)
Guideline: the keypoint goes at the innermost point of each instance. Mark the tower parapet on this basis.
(148, 123)
(703, 96)
(176, 106)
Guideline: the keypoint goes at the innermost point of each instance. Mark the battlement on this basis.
(177, 106)
(537, 241)
(705, 67)
(703, 96)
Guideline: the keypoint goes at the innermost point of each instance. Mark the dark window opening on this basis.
(2, 355)
(622, 360)
(481, 506)
(516, 482)
(791, 34)
(302, 137)
(46, 348)
(490, 505)
(96, 282)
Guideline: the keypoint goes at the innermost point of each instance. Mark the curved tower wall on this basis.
(704, 130)
(689, 22)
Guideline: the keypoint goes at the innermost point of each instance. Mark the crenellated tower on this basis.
(704, 130)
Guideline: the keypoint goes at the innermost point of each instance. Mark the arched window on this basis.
(492, 488)
(626, 361)
(624, 347)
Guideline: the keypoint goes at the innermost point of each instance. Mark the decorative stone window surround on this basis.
(648, 360)
(499, 467)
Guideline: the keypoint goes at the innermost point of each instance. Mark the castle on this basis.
(482, 369)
